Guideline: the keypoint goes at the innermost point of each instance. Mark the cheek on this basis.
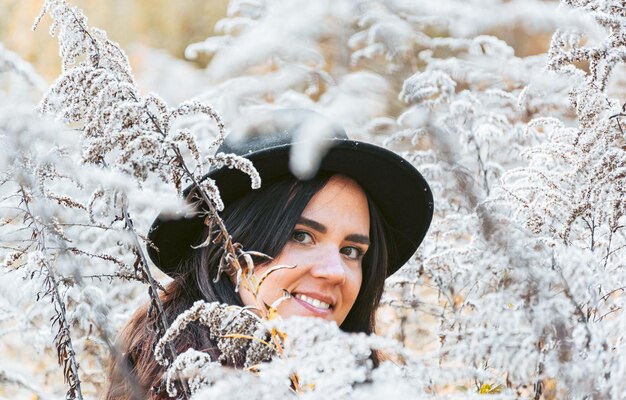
(353, 285)
(272, 286)
(246, 298)
(268, 286)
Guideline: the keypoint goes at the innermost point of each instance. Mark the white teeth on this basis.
(313, 302)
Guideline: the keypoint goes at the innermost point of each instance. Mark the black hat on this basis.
(401, 194)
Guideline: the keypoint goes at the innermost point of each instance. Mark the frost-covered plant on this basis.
(131, 133)
(237, 333)
(317, 359)
(121, 132)
(572, 195)
(233, 328)
(11, 65)
(516, 301)
(39, 245)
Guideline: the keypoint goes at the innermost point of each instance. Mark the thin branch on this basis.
(153, 289)
(63, 339)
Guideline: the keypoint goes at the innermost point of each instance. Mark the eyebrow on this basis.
(353, 237)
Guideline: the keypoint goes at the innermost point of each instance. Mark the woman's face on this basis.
(326, 248)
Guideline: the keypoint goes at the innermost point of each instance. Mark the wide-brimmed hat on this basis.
(399, 191)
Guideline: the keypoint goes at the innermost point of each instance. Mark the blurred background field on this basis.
(155, 33)
(166, 25)
(135, 24)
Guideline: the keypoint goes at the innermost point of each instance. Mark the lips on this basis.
(317, 304)
(313, 302)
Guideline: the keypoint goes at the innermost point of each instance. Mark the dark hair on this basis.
(263, 220)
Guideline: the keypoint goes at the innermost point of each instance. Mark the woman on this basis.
(343, 231)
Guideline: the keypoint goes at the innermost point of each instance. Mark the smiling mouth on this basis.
(312, 302)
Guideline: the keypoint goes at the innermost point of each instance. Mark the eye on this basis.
(302, 237)
(353, 253)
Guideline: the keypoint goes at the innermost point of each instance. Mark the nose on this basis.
(328, 265)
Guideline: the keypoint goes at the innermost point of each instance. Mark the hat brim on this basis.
(399, 191)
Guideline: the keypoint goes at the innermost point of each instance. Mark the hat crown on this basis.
(280, 128)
